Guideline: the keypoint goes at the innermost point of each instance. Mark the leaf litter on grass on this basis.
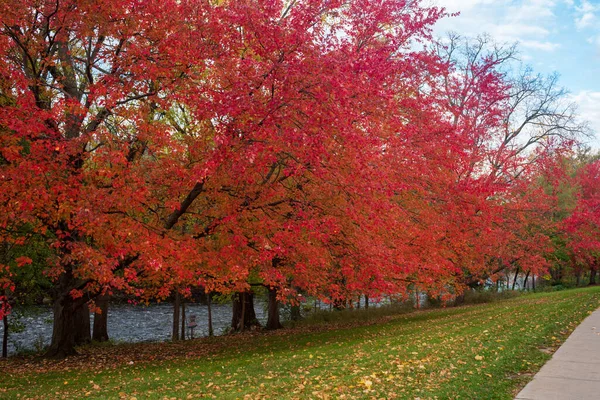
(453, 353)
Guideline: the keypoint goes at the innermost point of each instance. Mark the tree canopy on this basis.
(328, 147)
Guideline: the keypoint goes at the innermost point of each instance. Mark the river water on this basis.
(127, 323)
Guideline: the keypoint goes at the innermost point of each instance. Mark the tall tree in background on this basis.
(514, 121)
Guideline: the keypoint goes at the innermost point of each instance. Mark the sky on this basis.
(554, 36)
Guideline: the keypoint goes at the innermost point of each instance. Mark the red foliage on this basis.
(162, 145)
(583, 225)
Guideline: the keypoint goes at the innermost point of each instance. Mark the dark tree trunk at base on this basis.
(243, 311)
(182, 319)
(525, 282)
(366, 301)
(295, 313)
(242, 324)
(338, 304)
(417, 300)
(63, 330)
(557, 275)
(459, 300)
(5, 337)
(515, 280)
(65, 310)
(82, 325)
(176, 309)
(593, 273)
(273, 311)
(100, 331)
(210, 325)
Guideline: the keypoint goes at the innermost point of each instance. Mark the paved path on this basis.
(573, 373)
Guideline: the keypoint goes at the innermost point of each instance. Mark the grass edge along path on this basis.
(487, 351)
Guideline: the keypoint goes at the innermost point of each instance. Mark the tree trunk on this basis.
(82, 325)
(273, 311)
(525, 282)
(339, 304)
(417, 299)
(65, 314)
(593, 272)
(557, 275)
(366, 301)
(515, 280)
(5, 337)
(100, 331)
(244, 315)
(182, 319)
(242, 323)
(533, 282)
(210, 325)
(63, 329)
(295, 313)
(459, 300)
(176, 309)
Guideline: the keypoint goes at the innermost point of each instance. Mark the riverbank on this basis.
(483, 351)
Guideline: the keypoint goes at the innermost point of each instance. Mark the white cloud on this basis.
(533, 10)
(545, 29)
(519, 30)
(595, 40)
(586, 7)
(526, 58)
(589, 109)
(585, 20)
(528, 21)
(538, 45)
(466, 5)
(586, 14)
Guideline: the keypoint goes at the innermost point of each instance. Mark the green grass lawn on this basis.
(477, 352)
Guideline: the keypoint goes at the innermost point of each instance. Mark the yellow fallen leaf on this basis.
(478, 357)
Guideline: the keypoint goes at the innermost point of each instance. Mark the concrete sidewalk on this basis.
(573, 373)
